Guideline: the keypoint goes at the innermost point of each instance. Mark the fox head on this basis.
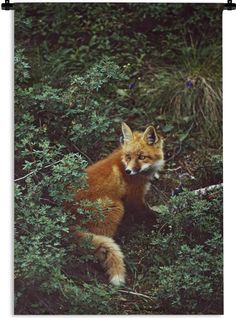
(142, 152)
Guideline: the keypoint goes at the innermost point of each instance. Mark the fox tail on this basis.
(110, 256)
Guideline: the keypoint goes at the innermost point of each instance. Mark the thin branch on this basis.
(50, 165)
(180, 144)
(25, 176)
(82, 153)
(163, 225)
(186, 174)
(165, 197)
(174, 169)
(37, 170)
(47, 200)
(175, 154)
(136, 294)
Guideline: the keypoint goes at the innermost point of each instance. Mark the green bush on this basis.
(180, 263)
(158, 53)
(44, 169)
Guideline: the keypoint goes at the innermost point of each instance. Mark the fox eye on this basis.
(127, 157)
(141, 157)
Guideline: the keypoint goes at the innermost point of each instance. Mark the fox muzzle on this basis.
(132, 172)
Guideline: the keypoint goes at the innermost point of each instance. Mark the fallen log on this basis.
(211, 188)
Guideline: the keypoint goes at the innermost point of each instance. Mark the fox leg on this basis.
(110, 256)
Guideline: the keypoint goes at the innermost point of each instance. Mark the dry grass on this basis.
(191, 90)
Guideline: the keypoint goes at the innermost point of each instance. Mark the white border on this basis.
(6, 157)
(229, 123)
(6, 160)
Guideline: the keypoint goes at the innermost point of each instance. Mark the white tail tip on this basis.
(117, 280)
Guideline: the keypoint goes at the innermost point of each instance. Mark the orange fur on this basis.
(121, 178)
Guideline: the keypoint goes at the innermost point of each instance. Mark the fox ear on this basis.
(150, 136)
(127, 132)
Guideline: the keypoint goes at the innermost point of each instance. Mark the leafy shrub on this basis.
(180, 262)
(160, 73)
(190, 284)
(44, 169)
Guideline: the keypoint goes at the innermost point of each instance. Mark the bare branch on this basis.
(136, 294)
(37, 170)
(82, 153)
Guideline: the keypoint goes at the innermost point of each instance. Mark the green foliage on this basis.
(84, 69)
(190, 284)
(193, 278)
(159, 54)
(44, 169)
(182, 264)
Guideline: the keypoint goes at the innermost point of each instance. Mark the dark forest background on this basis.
(80, 70)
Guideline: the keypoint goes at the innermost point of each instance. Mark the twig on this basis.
(163, 225)
(180, 144)
(186, 174)
(25, 176)
(47, 200)
(175, 154)
(136, 294)
(159, 191)
(81, 152)
(37, 170)
(174, 169)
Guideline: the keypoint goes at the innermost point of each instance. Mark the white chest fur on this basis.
(147, 188)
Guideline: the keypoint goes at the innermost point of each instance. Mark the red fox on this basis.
(121, 178)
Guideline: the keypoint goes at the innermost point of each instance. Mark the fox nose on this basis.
(133, 171)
